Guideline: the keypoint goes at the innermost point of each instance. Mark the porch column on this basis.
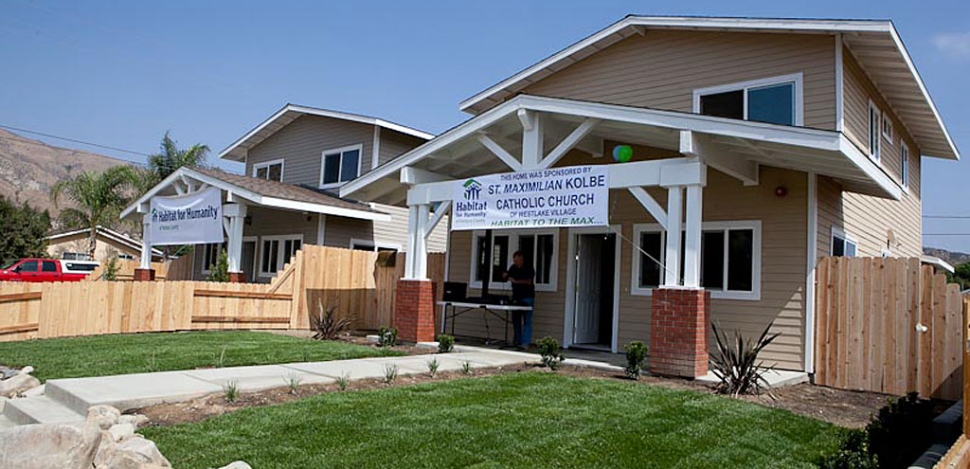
(675, 210)
(692, 248)
(236, 214)
(144, 272)
(414, 308)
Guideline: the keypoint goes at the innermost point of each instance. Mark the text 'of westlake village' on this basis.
(558, 197)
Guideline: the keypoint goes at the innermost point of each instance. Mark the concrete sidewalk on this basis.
(67, 400)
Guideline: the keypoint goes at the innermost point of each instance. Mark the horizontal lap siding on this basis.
(394, 144)
(395, 231)
(662, 68)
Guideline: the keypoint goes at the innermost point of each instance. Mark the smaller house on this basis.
(74, 245)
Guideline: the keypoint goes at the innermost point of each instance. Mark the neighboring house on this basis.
(295, 161)
(75, 245)
(793, 140)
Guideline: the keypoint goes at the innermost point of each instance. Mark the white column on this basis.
(421, 243)
(413, 235)
(146, 242)
(692, 248)
(236, 213)
(532, 150)
(675, 210)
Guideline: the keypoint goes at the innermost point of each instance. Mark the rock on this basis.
(32, 392)
(137, 420)
(237, 465)
(105, 449)
(3, 400)
(104, 416)
(27, 370)
(13, 386)
(121, 430)
(6, 372)
(134, 452)
(49, 445)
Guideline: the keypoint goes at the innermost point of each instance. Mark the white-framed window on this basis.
(269, 170)
(730, 259)
(126, 257)
(340, 165)
(75, 256)
(368, 245)
(276, 251)
(540, 248)
(904, 172)
(210, 256)
(843, 244)
(887, 128)
(875, 116)
(775, 100)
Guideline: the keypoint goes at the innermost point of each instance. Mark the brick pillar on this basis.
(414, 310)
(144, 275)
(237, 277)
(678, 332)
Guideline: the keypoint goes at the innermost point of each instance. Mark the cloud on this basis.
(955, 44)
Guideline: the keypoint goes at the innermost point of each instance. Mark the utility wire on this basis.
(949, 217)
(82, 142)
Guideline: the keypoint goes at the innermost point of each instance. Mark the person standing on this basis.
(522, 278)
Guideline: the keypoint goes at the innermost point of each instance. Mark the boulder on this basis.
(137, 420)
(121, 431)
(104, 416)
(105, 449)
(33, 392)
(133, 453)
(3, 401)
(44, 446)
(6, 372)
(13, 386)
(237, 465)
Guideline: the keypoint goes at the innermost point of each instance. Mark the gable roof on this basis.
(238, 150)
(105, 232)
(875, 43)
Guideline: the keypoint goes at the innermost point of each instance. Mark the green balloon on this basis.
(622, 153)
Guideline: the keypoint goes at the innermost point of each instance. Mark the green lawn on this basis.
(527, 420)
(139, 353)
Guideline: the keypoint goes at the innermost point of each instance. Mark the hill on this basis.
(954, 258)
(28, 168)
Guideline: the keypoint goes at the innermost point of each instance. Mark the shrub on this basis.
(342, 381)
(636, 353)
(219, 272)
(390, 373)
(466, 368)
(446, 343)
(737, 364)
(853, 453)
(111, 269)
(433, 366)
(551, 352)
(326, 325)
(387, 336)
(293, 381)
(231, 390)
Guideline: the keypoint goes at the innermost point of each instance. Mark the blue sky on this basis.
(123, 73)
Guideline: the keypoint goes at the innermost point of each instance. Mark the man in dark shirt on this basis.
(522, 277)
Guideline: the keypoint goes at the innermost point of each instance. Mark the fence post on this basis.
(966, 366)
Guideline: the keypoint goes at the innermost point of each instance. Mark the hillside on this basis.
(954, 258)
(28, 168)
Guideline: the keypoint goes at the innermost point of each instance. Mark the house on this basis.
(768, 143)
(295, 161)
(75, 245)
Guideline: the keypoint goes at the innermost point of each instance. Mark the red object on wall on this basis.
(237, 277)
(678, 332)
(414, 310)
(144, 275)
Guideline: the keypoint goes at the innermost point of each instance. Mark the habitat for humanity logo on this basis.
(473, 189)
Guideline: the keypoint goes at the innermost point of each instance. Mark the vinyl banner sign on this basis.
(548, 198)
(194, 218)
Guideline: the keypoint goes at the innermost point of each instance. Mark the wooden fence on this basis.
(888, 325)
(358, 284)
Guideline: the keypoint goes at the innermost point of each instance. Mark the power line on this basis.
(949, 217)
(82, 142)
(946, 234)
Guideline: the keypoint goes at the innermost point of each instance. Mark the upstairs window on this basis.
(875, 118)
(773, 100)
(340, 165)
(270, 170)
(887, 128)
(904, 173)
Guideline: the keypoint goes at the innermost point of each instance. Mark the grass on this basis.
(529, 419)
(139, 353)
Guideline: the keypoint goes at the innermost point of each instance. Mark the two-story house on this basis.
(295, 161)
(765, 144)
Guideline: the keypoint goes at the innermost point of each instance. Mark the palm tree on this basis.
(98, 199)
(171, 158)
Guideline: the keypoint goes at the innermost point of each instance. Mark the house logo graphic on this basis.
(473, 189)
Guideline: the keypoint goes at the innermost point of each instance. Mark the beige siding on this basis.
(784, 237)
(394, 144)
(662, 68)
(395, 232)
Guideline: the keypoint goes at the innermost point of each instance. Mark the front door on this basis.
(249, 259)
(588, 289)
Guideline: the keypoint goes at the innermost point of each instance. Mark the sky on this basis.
(123, 73)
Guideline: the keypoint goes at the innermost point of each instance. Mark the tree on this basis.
(171, 158)
(98, 199)
(961, 275)
(23, 231)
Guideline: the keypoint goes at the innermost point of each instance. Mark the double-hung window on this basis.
(887, 128)
(269, 170)
(875, 117)
(730, 259)
(340, 165)
(539, 249)
(904, 172)
(843, 244)
(210, 256)
(775, 100)
(276, 251)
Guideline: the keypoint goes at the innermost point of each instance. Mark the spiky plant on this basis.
(97, 200)
(736, 362)
(326, 325)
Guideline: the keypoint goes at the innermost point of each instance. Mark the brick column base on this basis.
(237, 277)
(144, 275)
(678, 332)
(414, 310)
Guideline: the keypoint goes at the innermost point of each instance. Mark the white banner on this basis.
(556, 197)
(194, 218)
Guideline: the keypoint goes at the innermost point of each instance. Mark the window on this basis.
(730, 259)
(49, 266)
(276, 251)
(340, 165)
(125, 256)
(904, 173)
(269, 170)
(874, 126)
(210, 256)
(367, 245)
(843, 244)
(539, 249)
(887, 128)
(29, 266)
(75, 256)
(773, 100)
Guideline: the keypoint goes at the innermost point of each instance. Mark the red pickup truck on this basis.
(46, 270)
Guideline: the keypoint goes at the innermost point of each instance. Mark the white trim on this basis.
(887, 120)
(321, 229)
(267, 164)
(341, 150)
(756, 267)
(904, 164)
(113, 235)
(374, 245)
(280, 261)
(376, 149)
(849, 239)
(875, 154)
(570, 290)
(811, 259)
(513, 235)
(839, 85)
(746, 86)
